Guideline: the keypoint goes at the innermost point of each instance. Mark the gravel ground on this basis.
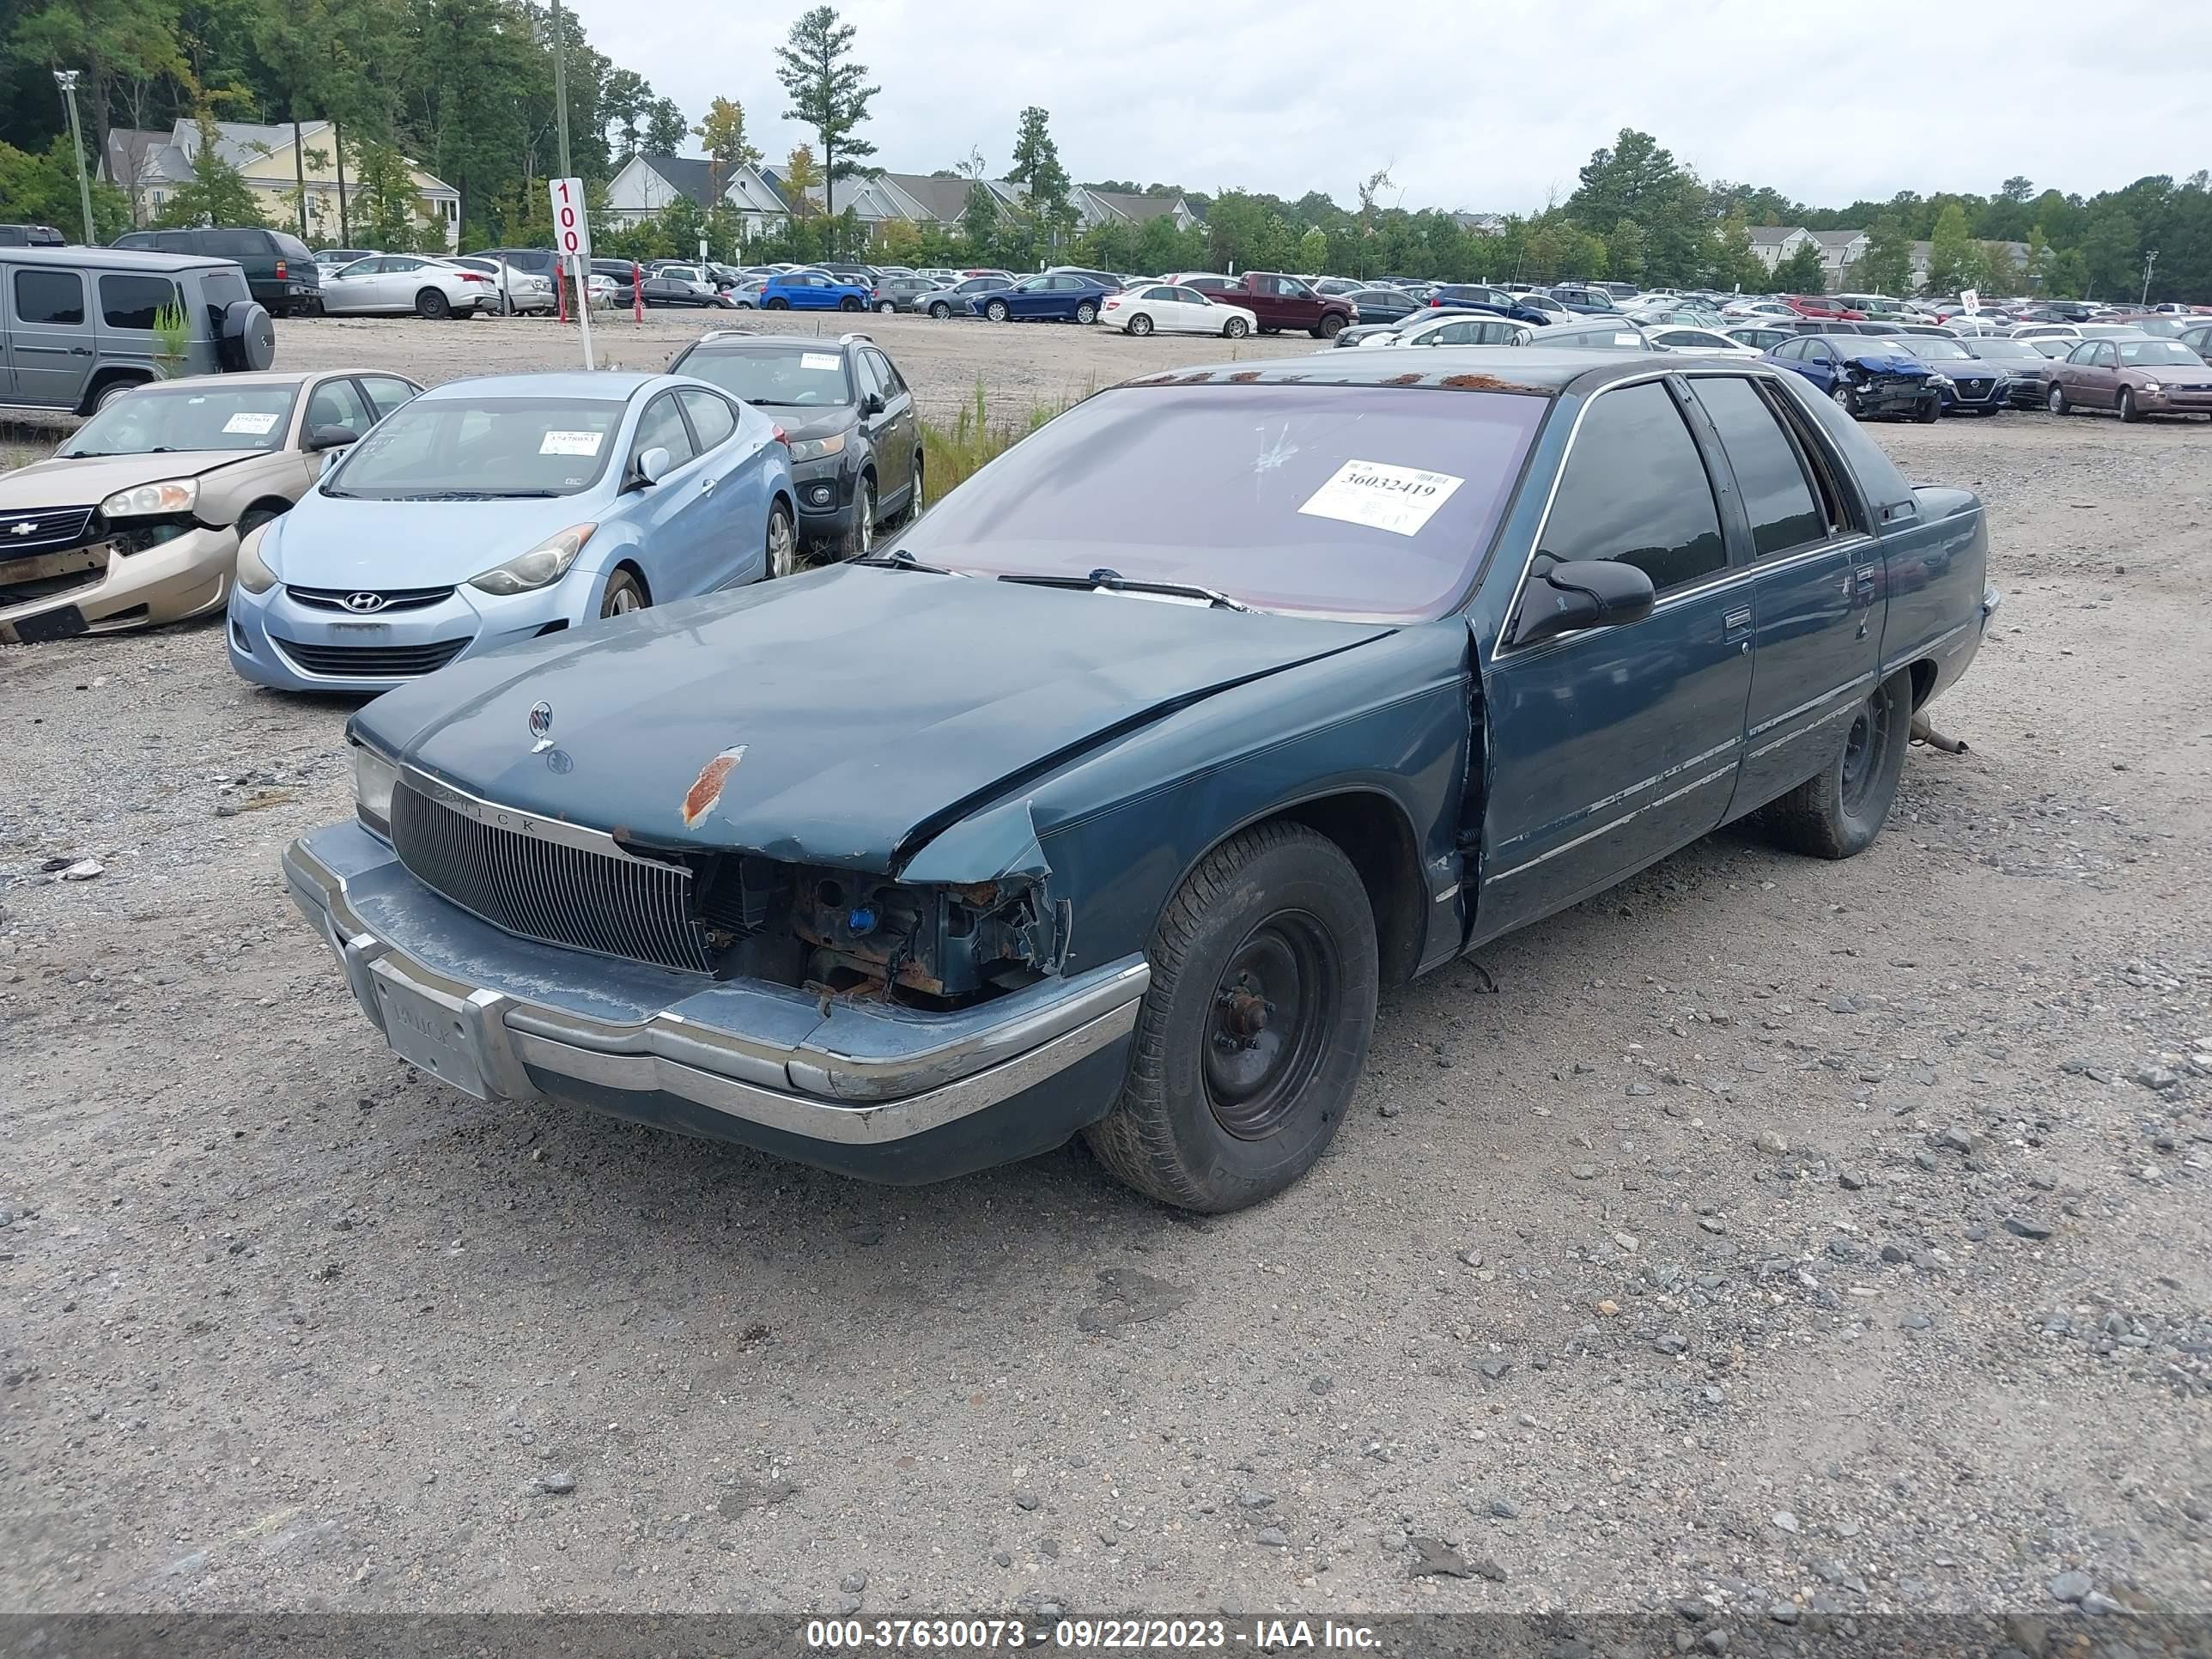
(1773, 1230)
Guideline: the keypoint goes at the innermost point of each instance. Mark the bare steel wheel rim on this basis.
(782, 545)
(1266, 1030)
(1864, 745)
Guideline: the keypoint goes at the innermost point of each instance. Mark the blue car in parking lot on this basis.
(814, 290)
(491, 510)
(1865, 378)
(1054, 296)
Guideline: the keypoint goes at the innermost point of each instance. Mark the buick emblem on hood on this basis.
(363, 602)
(541, 726)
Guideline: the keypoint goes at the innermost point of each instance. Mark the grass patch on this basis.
(953, 454)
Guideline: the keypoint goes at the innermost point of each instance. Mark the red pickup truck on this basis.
(1813, 305)
(1280, 302)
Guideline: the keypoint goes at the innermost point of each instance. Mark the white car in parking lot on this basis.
(1454, 328)
(1171, 309)
(517, 290)
(396, 283)
(1678, 338)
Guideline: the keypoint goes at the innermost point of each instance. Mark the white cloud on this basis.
(1481, 109)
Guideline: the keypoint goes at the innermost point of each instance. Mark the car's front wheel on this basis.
(782, 542)
(860, 538)
(940, 311)
(2126, 406)
(997, 311)
(1841, 392)
(1253, 1034)
(1839, 810)
(624, 594)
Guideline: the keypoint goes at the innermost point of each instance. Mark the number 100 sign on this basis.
(572, 234)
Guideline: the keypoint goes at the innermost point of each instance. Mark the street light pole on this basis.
(2150, 259)
(66, 79)
(560, 87)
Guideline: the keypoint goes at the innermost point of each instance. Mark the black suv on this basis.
(855, 442)
(279, 268)
(31, 236)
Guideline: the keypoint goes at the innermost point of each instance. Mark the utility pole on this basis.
(2150, 259)
(66, 79)
(560, 87)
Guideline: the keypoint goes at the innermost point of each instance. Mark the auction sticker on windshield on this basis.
(248, 421)
(1399, 499)
(817, 360)
(571, 443)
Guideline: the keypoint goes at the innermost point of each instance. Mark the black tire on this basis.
(109, 392)
(252, 519)
(1930, 412)
(624, 594)
(915, 496)
(1234, 328)
(940, 311)
(248, 339)
(2058, 402)
(776, 303)
(1331, 326)
(783, 557)
(1841, 395)
(2126, 406)
(1277, 909)
(1086, 312)
(861, 534)
(1837, 812)
(997, 311)
(848, 303)
(432, 304)
(1139, 324)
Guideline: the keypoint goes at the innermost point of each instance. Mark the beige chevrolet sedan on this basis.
(135, 520)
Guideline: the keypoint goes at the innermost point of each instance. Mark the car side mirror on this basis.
(1570, 595)
(650, 467)
(331, 437)
(871, 403)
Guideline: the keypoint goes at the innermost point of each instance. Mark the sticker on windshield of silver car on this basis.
(1399, 499)
(818, 360)
(571, 443)
(252, 424)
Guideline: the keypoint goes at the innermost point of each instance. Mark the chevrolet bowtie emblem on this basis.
(25, 528)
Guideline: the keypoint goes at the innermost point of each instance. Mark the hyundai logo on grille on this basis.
(363, 602)
(541, 726)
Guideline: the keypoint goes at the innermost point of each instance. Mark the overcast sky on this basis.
(1488, 108)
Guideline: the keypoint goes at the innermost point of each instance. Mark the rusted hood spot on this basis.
(706, 787)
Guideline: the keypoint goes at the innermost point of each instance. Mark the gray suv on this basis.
(76, 324)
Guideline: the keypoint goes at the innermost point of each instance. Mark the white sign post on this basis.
(571, 245)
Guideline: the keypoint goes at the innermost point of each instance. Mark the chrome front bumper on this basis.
(505, 1019)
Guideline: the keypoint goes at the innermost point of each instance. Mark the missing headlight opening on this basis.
(844, 932)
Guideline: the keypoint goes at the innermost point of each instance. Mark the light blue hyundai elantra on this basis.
(489, 511)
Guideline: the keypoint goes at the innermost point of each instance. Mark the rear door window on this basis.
(220, 289)
(236, 243)
(385, 392)
(127, 301)
(1635, 489)
(1777, 497)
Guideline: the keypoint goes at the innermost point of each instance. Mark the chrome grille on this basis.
(43, 530)
(607, 904)
(393, 598)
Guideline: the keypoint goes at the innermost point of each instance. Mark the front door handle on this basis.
(80, 352)
(707, 487)
(1737, 621)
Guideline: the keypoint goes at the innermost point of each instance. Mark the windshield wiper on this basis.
(1112, 581)
(902, 560)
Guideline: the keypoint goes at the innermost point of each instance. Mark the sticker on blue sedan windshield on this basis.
(1399, 499)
